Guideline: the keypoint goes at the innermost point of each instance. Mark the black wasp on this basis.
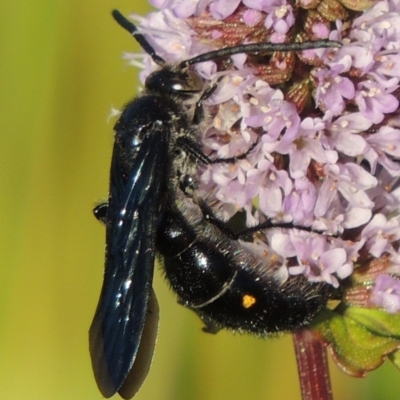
(154, 207)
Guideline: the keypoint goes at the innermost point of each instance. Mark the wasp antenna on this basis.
(132, 29)
(255, 48)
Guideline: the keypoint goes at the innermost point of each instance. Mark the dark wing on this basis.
(144, 356)
(131, 219)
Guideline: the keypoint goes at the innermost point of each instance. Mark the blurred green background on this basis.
(61, 71)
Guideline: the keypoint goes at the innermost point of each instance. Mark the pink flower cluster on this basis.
(341, 170)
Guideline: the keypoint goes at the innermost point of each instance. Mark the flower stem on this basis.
(312, 365)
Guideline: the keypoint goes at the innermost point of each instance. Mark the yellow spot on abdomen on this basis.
(248, 301)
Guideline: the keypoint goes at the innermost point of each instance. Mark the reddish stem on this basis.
(312, 365)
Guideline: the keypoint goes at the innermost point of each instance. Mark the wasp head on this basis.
(178, 82)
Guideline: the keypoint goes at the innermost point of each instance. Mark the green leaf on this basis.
(377, 321)
(354, 347)
(395, 358)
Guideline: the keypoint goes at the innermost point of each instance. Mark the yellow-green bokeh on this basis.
(61, 71)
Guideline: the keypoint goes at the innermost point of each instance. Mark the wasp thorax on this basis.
(180, 82)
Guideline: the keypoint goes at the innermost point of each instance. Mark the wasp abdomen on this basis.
(196, 271)
(225, 284)
(263, 306)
